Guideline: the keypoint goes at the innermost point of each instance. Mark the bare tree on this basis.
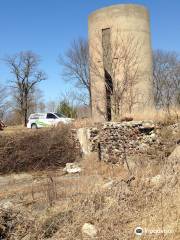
(51, 106)
(26, 75)
(36, 102)
(75, 65)
(4, 104)
(166, 79)
(41, 107)
(121, 62)
(127, 64)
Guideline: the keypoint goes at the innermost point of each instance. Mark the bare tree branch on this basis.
(26, 75)
(121, 70)
(75, 64)
(166, 79)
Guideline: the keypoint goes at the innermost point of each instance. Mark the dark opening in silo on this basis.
(109, 91)
(106, 45)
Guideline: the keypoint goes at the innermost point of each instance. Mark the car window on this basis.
(51, 116)
(60, 115)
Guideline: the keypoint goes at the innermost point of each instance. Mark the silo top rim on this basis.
(139, 6)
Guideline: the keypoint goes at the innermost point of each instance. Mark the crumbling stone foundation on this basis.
(115, 141)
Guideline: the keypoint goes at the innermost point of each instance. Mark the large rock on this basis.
(149, 125)
(89, 230)
(72, 168)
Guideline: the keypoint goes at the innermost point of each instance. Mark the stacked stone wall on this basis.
(115, 141)
(120, 140)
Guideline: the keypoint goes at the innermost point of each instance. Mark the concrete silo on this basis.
(112, 33)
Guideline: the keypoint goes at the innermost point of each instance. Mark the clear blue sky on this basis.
(47, 27)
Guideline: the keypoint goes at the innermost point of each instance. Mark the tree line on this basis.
(26, 75)
(125, 60)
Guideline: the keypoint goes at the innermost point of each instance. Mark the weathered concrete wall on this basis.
(124, 20)
(88, 139)
(115, 141)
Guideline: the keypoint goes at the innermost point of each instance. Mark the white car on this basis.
(40, 120)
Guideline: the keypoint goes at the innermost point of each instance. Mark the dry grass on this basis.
(13, 130)
(50, 205)
(117, 210)
(81, 123)
(37, 150)
(160, 116)
(93, 166)
(59, 209)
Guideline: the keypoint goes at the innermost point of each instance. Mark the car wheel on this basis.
(34, 126)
